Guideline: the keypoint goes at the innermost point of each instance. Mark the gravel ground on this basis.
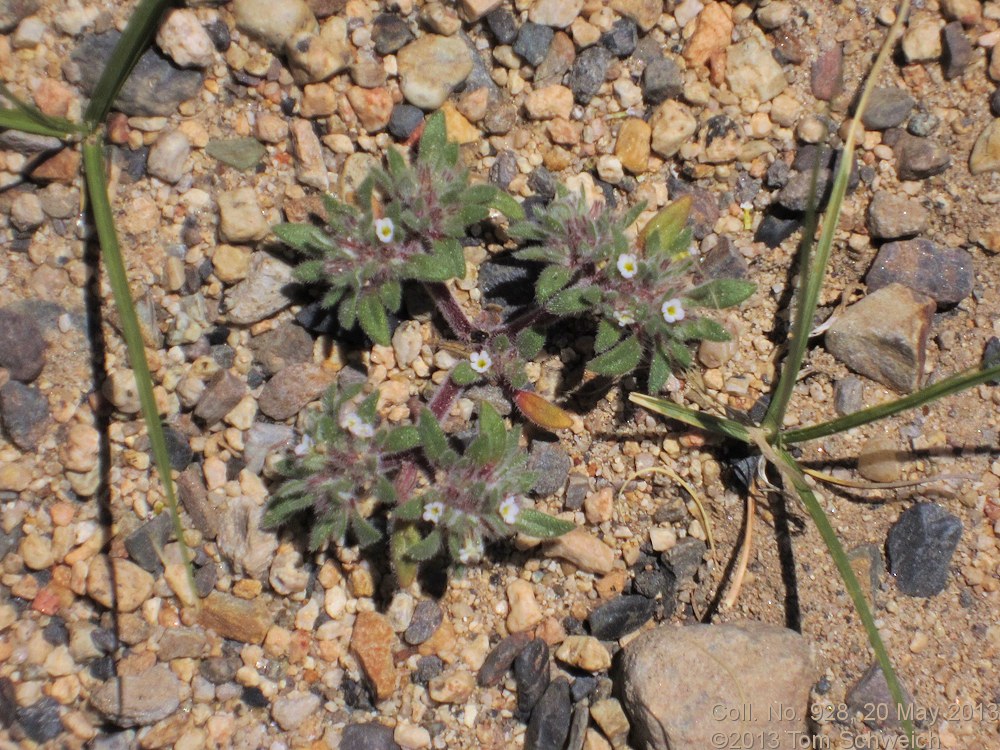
(245, 113)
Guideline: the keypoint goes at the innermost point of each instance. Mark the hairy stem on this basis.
(450, 310)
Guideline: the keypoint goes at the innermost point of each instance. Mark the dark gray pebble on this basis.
(848, 395)
(500, 659)
(531, 674)
(390, 33)
(655, 583)
(502, 25)
(404, 119)
(943, 274)
(991, 356)
(501, 118)
(221, 394)
(995, 103)
(22, 348)
(870, 695)
(587, 73)
(576, 491)
(368, 736)
(549, 724)
(551, 464)
(542, 182)
(428, 667)
(40, 721)
(621, 38)
(532, 44)
(178, 448)
(956, 50)
(25, 414)
(56, 632)
(620, 616)
(578, 726)
(920, 547)
(661, 80)
(426, 619)
(919, 158)
(923, 124)
(504, 169)
(684, 558)
(888, 107)
(285, 345)
(145, 544)
(582, 687)
(219, 669)
(155, 87)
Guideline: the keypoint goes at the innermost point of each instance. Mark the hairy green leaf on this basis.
(607, 336)
(364, 531)
(463, 374)
(411, 510)
(391, 294)
(433, 140)
(720, 293)
(278, 513)
(659, 371)
(305, 238)
(402, 439)
(551, 280)
(622, 359)
(529, 343)
(570, 301)
(507, 205)
(373, 320)
(492, 428)
(426, 548)
(448, 252)
(541, 525)
(432, 437)
(701, 329)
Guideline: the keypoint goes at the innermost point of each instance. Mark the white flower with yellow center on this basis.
(672, 310)
(385, 230)
(481, 361)
(433, 511)
(471, 551)
(509, 510)
(627, 265)
(624, 318)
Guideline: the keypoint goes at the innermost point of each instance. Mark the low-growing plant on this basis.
(642, 300)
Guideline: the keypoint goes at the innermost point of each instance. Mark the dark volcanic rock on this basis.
(920, 547)
(943, 274)
(22, 348)
(549, 724)
(620, 616)
(155, 87)
(25, 414)
(531, 673)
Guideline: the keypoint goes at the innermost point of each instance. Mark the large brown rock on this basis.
(684, 687)
(884, 336)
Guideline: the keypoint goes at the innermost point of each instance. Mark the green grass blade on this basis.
(814, 271)
(946, 387)
(29, 119)
(707, 422)
(138, 32)
(791, 472)
(97, 189)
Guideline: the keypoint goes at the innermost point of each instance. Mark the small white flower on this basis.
(746, 206)
(433, 511)
(303, 446)
(351, 422)
(481, 361)
(693, 250)
(672, 310)
(624, 318)
(471, 551)
(510, 510)
(627, 265)
(385, 230)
